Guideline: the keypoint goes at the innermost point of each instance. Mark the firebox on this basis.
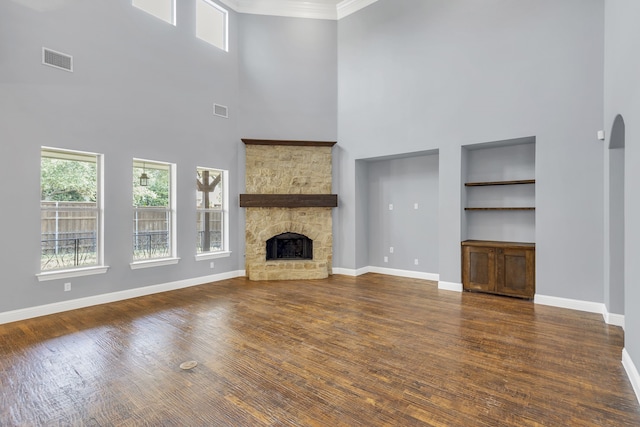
(289, 246)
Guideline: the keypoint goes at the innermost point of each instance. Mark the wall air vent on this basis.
(221, 111)
(57, 59)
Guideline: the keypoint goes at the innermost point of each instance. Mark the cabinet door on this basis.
(478, 273)
(515, 272)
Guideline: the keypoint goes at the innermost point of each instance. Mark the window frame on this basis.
(171, 209)
(225, 30)
(224, 211)
(173, 18)
(99, 267)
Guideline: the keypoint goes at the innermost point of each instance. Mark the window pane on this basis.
(65, 179)
(151, 234)
(209, 190)
(69, 237)
(211, 24)
(156, 192)
(163, 9)
(209, 231)
(152, 214)
(210, 210)
(69, 221)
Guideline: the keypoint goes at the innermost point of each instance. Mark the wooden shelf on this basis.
(498, 244)
(524, 208)
(487, 183)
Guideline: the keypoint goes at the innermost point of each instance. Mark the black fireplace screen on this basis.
(289, 246)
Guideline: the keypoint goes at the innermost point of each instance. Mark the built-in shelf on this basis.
(486, 183)
(502, 209)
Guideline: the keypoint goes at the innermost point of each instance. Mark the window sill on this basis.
(213, 255)
(153, 263)
(77, 272)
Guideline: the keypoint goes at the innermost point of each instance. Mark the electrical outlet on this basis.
(415, 206)
(390, 206)
(67, 287)
(386, 259)
(415, 261)
(211, 264)
(391, 250)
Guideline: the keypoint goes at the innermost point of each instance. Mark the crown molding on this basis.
(297, 8)
(347, 7)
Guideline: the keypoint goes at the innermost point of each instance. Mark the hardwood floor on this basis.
(368, 351)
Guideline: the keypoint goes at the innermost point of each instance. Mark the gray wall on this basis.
(427, 74)
(622, 96)
(143, 88)
(140, 88)
(413, 233)
(288, 78)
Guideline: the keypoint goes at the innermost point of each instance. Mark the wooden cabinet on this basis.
(505, 268)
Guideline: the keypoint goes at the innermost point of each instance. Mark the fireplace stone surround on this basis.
(288, 186)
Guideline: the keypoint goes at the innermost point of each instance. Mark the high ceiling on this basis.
(318, 9)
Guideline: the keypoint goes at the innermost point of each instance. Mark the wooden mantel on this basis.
(288, 200)
(248, 141)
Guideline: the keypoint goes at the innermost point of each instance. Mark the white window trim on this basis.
(212, 255)
(100, 268)
(173, 13)
(173, 233)
(66, 274)
(159, 262)
(211, 3)
(225, 252)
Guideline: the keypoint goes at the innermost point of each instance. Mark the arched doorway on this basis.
(616, 279)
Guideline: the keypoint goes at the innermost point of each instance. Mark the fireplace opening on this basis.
(289, 246)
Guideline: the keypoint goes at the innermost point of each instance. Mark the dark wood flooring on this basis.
(368, 351)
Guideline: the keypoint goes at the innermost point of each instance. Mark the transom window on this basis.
(211, 24)
(71, 209)
(163, 9)
(153, 210)
(211, 221)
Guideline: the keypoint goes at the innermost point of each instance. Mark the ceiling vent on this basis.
(57, 59)
(221, 111)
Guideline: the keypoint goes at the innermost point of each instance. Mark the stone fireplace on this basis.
(288, 205)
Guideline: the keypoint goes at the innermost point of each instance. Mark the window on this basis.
(153, 212)
(211, 211)
(163, 9)
(211, 23)
(71, 212)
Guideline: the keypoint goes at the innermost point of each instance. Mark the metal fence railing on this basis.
(63, 250)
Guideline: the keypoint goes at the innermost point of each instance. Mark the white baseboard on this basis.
(588, 306)
(632, 372)
(450, 286)
(58, 307)
(614, 319)
(573, 304)
(388, 271)
(404, 273)
(344, 271)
